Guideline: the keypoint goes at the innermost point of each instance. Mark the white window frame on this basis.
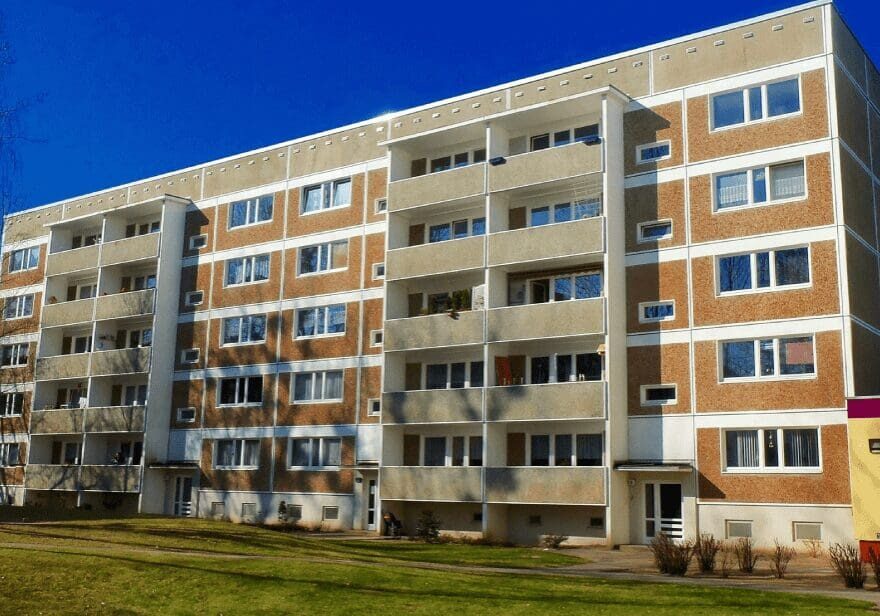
(314, 441)
(242, 385)
(325, 516)
(645, 305)
(651, 223)
(468, 371)
(252, 206)
(313, 381)
(640, 150)
(5, 449)
(7, 408)
(374, 334)
(643, 390)
(750, 187)
(777, 375)
(253, 260)
(184, 409)
(449, 453)
(326, 313)
(780, 443)
(324, 187)
(241, 328)
(374, 407)
(376, 205)
(794, 530)
(28, 260)
(727, 523)
(188, 298)
(529, 300)
(20, 304)
(376, 274)
(552, 449)
(765, 118)
(239, 465)
(451, 224)
(17, 354)
(451, 154)
(183, 357)
(753, 262)
(194, 238)
(550, 205)
(328, 247)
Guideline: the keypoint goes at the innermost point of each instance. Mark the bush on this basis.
(725, 560)
(746, 557)
(670, 557)
(706, 549)
(779, 559)
(874, 559)
(428, 527)
(847, 561)
(813, 547)
(553, 542)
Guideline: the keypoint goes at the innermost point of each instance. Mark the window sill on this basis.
(313, 468)
(769, 379)
(240, 406)
(752, 206)
(236, 468)
(227, 345)
(806, 470)
(772, 289)
(308, 402)
(322, 272)
(244, 284)
(319, 336)
(250, 225)
(325, 209)
(783, 116)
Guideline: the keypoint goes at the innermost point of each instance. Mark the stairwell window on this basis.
(11, 404)
(14, 355)
(772, 449)
(250, 211)
(241, 391)
(247, 270)
(320, 321)
(654, 231)
(655, 312)
(194, 298)
(653, 152)
(314, 452)
(323, 257)
(760, 185)
(767, 270)
(236, 454)
(10, 454)
(768, 358)
(247, 329)
(756, 103)
(19, 307)
(326, 196)
(659, 395)
(318, 386)
(24, 259)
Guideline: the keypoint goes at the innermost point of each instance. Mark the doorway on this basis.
(371, 504)
(663, 510)
(183, 496)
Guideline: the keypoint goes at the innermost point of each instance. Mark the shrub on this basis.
(671, 557)
(725, 560)
(706, 549)
(428, 527)
(779, 559)
(553, 542)
(813, 547)
(746, 557)
(874, 559)
(847, 561)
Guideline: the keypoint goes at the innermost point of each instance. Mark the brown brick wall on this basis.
(320, 414)
(372, 321)
(239, 416)
(325, 220)
(649, 125)
(321, 482)
(655, 202)
(375, 254)
(183, 394)
(243, 354)
(251, 293)
(320, 284)
(196, 278)
(240, 480)
(371, 387)
(24, 278)
(656, 365)
(655, 282)
(251, 234)
(199, 222)
(377, 187)
(191, 336)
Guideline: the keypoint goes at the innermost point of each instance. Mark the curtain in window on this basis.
(302, 387)
(257, 329)
(742, 449)
(238, 214)
(308, 260)
(231, 330)
(333, 385)
(251, 453)
(801, 447)
(265, 208)
(332, 451)
(731, 190)
(234, 271)
(225, 453)
(305, 322)
(336, 319)
(342, 193)
(787, 181)
(261, 267)
(589, 450)
(792, 266)
(299, 452)
(312, 201)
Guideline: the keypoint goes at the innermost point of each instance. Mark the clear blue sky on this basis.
(133, 89)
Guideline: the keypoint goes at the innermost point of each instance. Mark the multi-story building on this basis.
(619, 298)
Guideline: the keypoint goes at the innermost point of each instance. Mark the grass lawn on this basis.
(113, 566)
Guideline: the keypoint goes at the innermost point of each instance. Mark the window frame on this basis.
(374, 334)
(471, 154)
(5, 449)
(320, 442)
(727, 523)
(744, 91)
(553, 203)
(449, 444)
(326, 308)
(323, 186)
(774, 286)
(193, 238)
(187, 298)
(253, 260)
(239, 466)
(777, 374)
(528, 298)
(26, 259)
(640, 230)
(322, 247)
(20, 302)
(643, 390)
(8, 405)
(794, 530)
(750, 186)
(468, 371)
(640, 150)
(371, 403)
(762, 467)
(551, 450)
(16, 354)
(239, 389)
(241, 320)
(181, 410)
(247, 202)
(184, 360)
(376, 267)
(312, 383)
(646, 320)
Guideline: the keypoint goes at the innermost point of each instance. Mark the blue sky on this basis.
(128, 90)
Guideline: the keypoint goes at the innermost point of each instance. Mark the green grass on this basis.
(91, 567)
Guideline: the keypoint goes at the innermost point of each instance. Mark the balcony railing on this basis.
(575, 400)
(122, 305)
(74, 260)
(432, 483)
(433, 406)
(128, 249)
(435, 258)
(62, 367)
(435, 330)
(91, 419)
(121, 361)
(437, 187)
(576, 238)
(548, 165)
(87, 477)
(579, 317)
(560, 485)
(68, 313)
(51, 477)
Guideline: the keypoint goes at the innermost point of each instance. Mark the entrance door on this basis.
(371, 504)
(663, 510)
(183, 496)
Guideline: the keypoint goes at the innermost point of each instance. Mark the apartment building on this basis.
(626, 297)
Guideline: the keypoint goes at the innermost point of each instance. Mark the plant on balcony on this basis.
(428, 527)
(461, 300)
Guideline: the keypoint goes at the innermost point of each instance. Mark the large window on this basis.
(460, 159)
(317, 386)
(326, 196)
(250, 211)
(457, 229)
(565, 450)
(12, 355)
(24, 259)
(9, 454)
(323, 257)
(242, 390)
(767, 358)
(246, 329)
(314, 452)
(772, 448)
(320, 321)
(563, 137)
(764, 270)
(567, 367)
(565, 212)
(11, 403)
(456, 375)
(760, 185)
(559, 288)
(236, 453)
(452, 451)
(18, 306)
(247, 270)
(756, 103)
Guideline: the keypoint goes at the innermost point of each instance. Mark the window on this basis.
(147, 281)
(658, 395)
(317, 386)
(236, 453)
(654, 231)
(140, 338)
(11, 403)
(197, 242)
(320, 321)
(142, 229)
(378, 271)
(18, 307)
(314, 452)
(555, 288)
(768, 358)
(756, 103)
(764, 270)
(461, 159)
(381, 205)
(189, 356)
(218, 510)
(247, 270)
(578, 367)
(735, 529)
(457, 229)
(565, 450)
(565, 212)
(653, 312)
(186, 414)
(323, 257)
(376, 337)
(563, 137)
(12, 355)
(81, 344)
(759, 449)
(330, 514)
(83, 290)
(241, 391)
(135, 395)
(374, 407)
(249, 512)
(9, 454)
(244, 330)
(326, 196)
(24, 259)
(652, 152)
(70, 452)
(194, 298)
(751, 187)
(807, 531)
(454, 376)
(250, 211)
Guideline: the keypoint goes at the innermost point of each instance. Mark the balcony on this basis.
(122, 305)
(62, 367)
(114, 419)
(74, 260)
(432, 483)
(432, 406)
(57, 421)
(579, 485)
(436, 330)
(120, 361)
(548, 165)
(136, 248)
(437, 258)
(68, 313)
(111, 478)
(437, 187)
(562, 240)
(579, 317)
(575, 400)
(51, 477)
